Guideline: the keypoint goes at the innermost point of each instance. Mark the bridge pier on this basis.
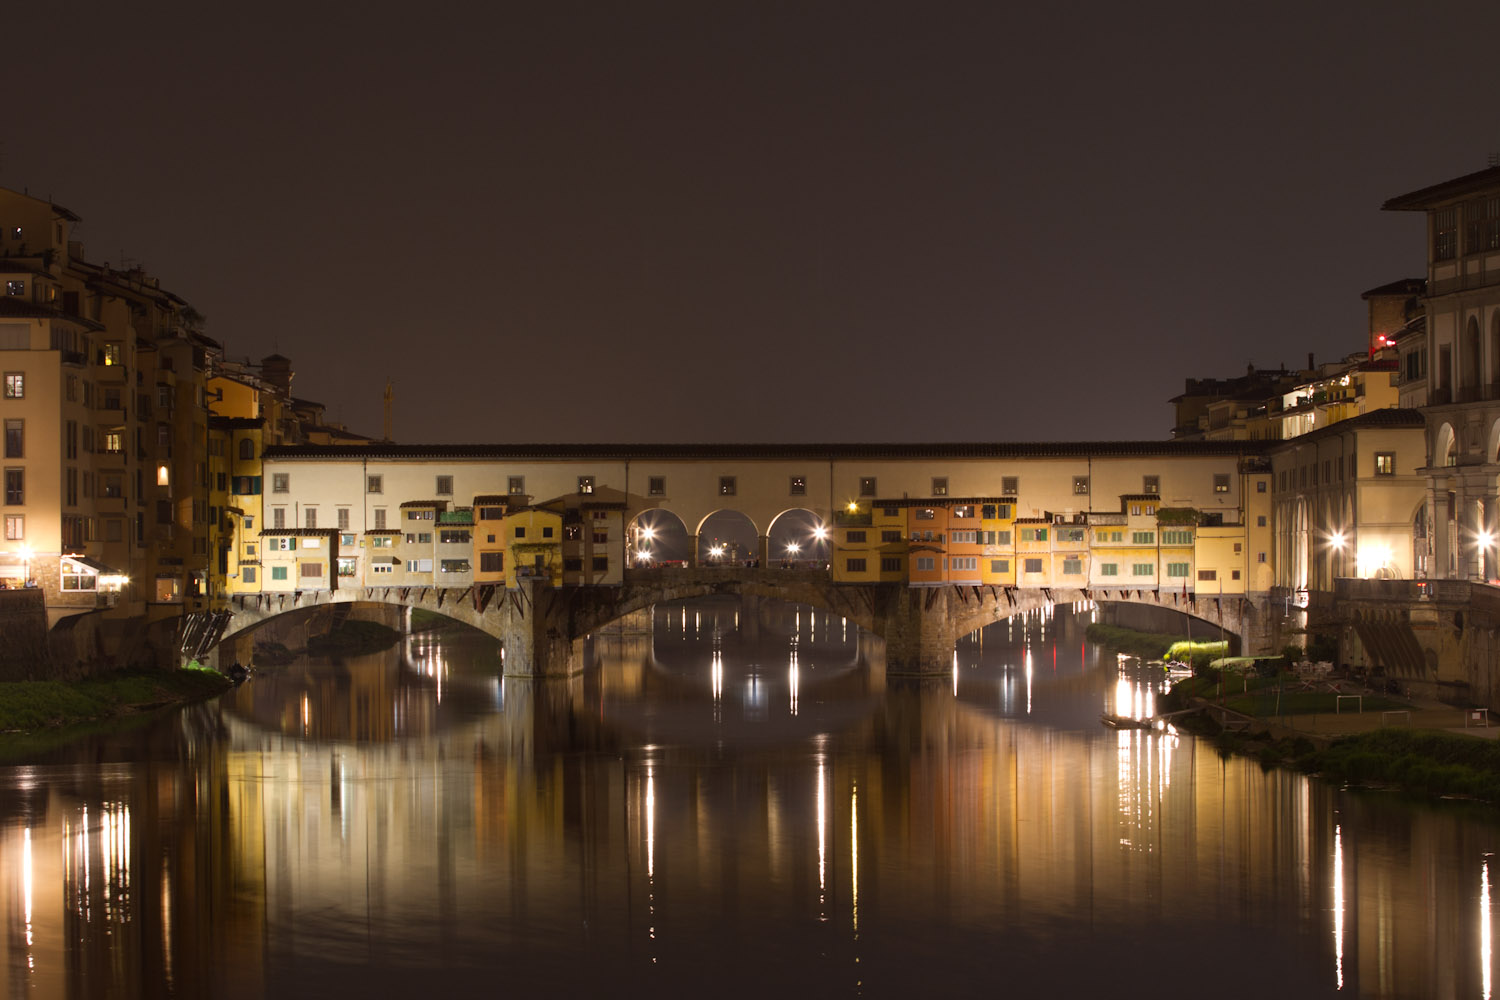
(919, 630)
(535, 643)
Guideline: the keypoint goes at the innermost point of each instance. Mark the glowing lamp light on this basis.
(853, 507)
(643, 556)
(792, 548)
(820, 533)
(1486, 539)
(1337, 540)
(648, 533)
(716, 551)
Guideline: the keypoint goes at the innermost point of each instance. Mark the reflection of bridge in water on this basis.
(540, 625)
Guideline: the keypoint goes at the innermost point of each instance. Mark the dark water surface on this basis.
(734, 805)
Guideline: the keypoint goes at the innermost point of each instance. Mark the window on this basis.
(445, 486)
(15, 288)
(1002, 538)
(963, 511)
(247, 449)
(454, 536)
(343, 515)
(1081, 485)
(310, 569)
(279, 544)
(1070, 534)
(249, 550)
(381, 568)
(15, 527)
(1031, 566)
(278, 572)
(1221, 482)
(1033, 534)
(15, 487)
(346, 541)
(491, 513)
(281, 482)
(890, 536)
(866, 486)
(346, 565)
(1177, 569)
(311, 516)
(656, 486)
(453, 566)
(515, 485)
(1151, 484)
(520, 531)
(854, 536)
(1072, 566)
(1260, 557)
(925, 514)
(1207, 575)
(964, 563)
(15, 439)
(1142, 569)
(726, 486)
(1143, 538)
(1445, 233)
(939, 486)
(1010, 485)
(419, 515)
(798, 486)
(379, 518)
(600, 537)
(492, 562)
(546, 531)
(601, 564)
(1234, 574)
(247, 574)
(1260, 486)
(924, 564)
(890, 564)
(963, 537)
(854, 565)
(1176, 537)
(1260, 520)
(1109, 569)
(573, 564)
(382, 542)
(1385, 463)
(1237, 548)
(278, 517)
(585, 484)
(15, 385)
(419, 565)
(999, 565)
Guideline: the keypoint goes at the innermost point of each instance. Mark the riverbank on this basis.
(28, 706)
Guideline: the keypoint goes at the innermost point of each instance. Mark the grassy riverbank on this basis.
(1154, 645)
(27, 706)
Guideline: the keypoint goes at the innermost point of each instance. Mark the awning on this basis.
(87, 565)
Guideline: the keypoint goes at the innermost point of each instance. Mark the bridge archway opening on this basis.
(728, 537)
(799, 536)
(658, 537)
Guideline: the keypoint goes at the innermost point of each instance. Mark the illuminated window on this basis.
(585, 484)
(1385, 463)
(515, 485)
(15, 385)
(1151, 484)
(798, 486)
(939, 486)
(15, 527)
(1221, 482)
(1081, 485)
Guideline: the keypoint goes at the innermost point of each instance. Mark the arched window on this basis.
(247, 449)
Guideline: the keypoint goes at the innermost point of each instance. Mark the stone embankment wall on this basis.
(23, 636)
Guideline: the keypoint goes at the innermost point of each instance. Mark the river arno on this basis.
(727, 807)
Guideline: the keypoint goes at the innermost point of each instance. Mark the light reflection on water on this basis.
(730, 803)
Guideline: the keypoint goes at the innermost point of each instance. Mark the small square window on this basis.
(656, 486)
(1010, 485)
(726, 486)
(799, 486)
(445, 486)
(1081, 485)
(1151, 484)
(585, 484)
(515, 485)
(866, 486)
(939, 486)
(374, 484)
(281, 482)
(1221, 482)
(1385, 463)
(15, 385)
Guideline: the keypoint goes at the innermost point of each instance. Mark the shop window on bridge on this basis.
(965, 563)
(454, 566)
(520, 531)
(1177, 538)
(726, 486)
(890, 536)
(1032, 566)
(1109, 569)
(854, 565)
(281, 482)
(999, 565)
(924, 514)
(964, 537)
(798, 486)
(656, 486)
(1072, 566)
(924, 564)
(1206, 575)
(247, 574)
(854, 536)
(1143, 569)
(890, 564)
(1033, 534)
(419, 515)
(1143, 538)
(346, 566)
(891, 511)
(491, 513)
(1178, 570)
(382, 568)
(1070, 534)
(866, 486)
(381, 541)
(454, 536)
(963, 510)
(492, 562)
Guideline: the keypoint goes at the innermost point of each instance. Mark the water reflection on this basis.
(733, 801)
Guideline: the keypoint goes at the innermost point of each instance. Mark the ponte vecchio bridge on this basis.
(541, 545)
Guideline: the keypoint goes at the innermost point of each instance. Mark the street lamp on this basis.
(792, 548)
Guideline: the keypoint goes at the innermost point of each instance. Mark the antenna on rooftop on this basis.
(390, 395)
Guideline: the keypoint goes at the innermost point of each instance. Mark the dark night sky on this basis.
(768, 222)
